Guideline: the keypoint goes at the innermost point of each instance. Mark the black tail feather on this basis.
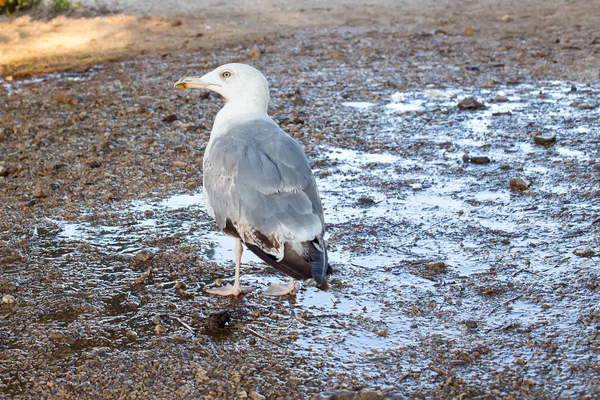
(320, 268)
(297, 267)
(292, 264)
(314, 266)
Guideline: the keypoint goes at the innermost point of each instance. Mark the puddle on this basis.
(360, 105)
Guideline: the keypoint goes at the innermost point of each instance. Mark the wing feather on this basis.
(259, 178)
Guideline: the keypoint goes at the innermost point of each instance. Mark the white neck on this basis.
(232, 111)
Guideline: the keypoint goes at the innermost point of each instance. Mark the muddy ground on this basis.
(465, 240)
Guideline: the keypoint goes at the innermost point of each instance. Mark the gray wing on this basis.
(258, 178)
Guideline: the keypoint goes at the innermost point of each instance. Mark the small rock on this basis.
(587, 106)
(3, 171)
(241, 394)
(500, 99)
(217, 320)
(175, 23)
(506, 18)
(470, 104)
(370, 395)
(337, 395)
(383, 332)
(518, 184)
(160, 330)
(201, 375)
(476, 160)
(543, 141)
(56, 336)
(436, 268)
(581, 253)
(39, 192)
(8, 78)
(170, 118)
(8, 299)
(69, 216)
(256, 396)
(488, 84)
(253, 53)
(365, 201)
(140, 280)
(131, 335)
(143, 256)
(469, 31)
(62, 98)
(180, 164)
(95, 164)
(471, 324)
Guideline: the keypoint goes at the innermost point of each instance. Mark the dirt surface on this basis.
(464, 238)
(99, 31)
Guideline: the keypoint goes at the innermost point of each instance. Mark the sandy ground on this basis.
(450, 281)
(41, 42)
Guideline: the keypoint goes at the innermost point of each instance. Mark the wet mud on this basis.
(465, 239)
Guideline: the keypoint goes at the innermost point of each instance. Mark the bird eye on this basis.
(226, 74)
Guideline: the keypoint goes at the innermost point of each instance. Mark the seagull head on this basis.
(239, 84)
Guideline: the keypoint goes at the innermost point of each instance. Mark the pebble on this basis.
(3, 171)
(131, 335)
(506, 18)
(8, 299)
(518, 184)
(62, 98)
(143, 256)
(202, 376)
(253, 53)
(543, 141)
(160, 330)
(170, 118)
(581, 253)
(476, 160)
(587, 106)
(471, 324)
(256, 396)
(218, 320)
(470, 103)
(39, 192)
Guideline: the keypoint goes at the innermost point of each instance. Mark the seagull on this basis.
(258, 185)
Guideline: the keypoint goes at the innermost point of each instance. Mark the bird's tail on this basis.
(319, 265)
